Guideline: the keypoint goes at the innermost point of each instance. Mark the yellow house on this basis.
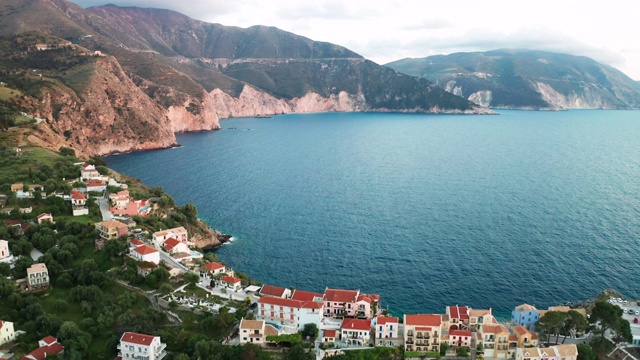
(422, 332)
(525, 337)
(495, 341)
(478, 318)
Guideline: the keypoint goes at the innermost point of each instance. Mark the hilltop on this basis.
(527, 79)
(126, 78)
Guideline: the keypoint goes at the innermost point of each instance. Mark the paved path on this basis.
(103, 202)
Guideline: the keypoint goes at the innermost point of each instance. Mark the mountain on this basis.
(129, 78)
(527, 79)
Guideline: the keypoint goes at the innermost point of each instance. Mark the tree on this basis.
(585, 352)
(605, 316)
(65, 151)
(190, 211)
(551, 323)
(463, 351)
(191, 278)
(575, 323)
(310, 331)
(443, 348)
(297, 352)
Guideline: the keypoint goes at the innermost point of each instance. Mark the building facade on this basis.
(255, 331)
(38, 276)
(141, 346)
(422, 332)
(112, 229)
(525, 315)
(356, 332)
(387, 331)
(7, 333)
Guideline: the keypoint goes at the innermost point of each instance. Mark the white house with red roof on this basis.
(141, 346)
(213, 268)
(460, 338)
(231, 283)
(174, 246)
(44, 217)
(145, 253)
(276, 291)
(255, 331)
(79, 203)
(47, 346)
(135, 242)
(306, 295)
(329, 336)
(349, 303)
(458, 317)
(355, 331)
(422, 332)
(96, 185)
(88, 171)
(387, 331)
(292, 314)
(179, 233)
(7, 333)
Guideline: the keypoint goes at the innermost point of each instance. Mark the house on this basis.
(45, 217)
(112, 229)
(27, 210)
(79, 203)
(255, 331)
(387, 331)
(96, 185)
(213, 268)
(145, 253)
(460, 338)
(173, 246)
(302, 295)
(329, 336)
(458, 317)
(141, 346)
(135, 242)
(525, 315)
(88, 171)
(495, 341)
(555, 352)
(422, 332)
(355, 332)
(270, 290)
(46, 347)
(7, 334)
(5, 253)
(349, 303)
(480, 317)
(563, 309)
(231, 283)
(525, 337)
(6, 210)
(37, 276)
(293, 314)
(179, 233)
(17, 187)
(122, 205)
(145, 268)
(119, 200)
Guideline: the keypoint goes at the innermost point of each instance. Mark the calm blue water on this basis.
(426, 210)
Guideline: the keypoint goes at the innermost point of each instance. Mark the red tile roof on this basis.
(512, 337)
(423, 320)
(170, 243)
(274, 300)
(212, 266)
(231, 279)
(43, 215)
(272, 290)
(466, 333)
(42, 352)
(305, 295)
(12, 222)
(136, 338)
(76, 195)
(49, 340)
(329, 334)
(356, 324)
(459, 312)
(137, 242)
(493, 329)
(95, 182)
(145, 250)
(338, 295)
(312, 305)
(364, 298)
(387, 320)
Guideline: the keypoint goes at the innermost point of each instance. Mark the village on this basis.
(341, 319)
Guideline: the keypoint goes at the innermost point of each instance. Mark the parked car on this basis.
(637, 312)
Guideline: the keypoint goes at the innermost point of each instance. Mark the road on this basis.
(103, 202)
(171, 261)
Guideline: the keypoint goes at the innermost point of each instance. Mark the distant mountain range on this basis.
(527, 79)
(158, 72)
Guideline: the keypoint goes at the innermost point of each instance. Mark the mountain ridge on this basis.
(529, 79)
(192, 74)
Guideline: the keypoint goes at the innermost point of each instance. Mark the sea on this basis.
(424, 210)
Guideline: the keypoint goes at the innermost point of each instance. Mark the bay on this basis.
(425, 210)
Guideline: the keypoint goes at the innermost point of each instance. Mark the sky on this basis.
(384, 31)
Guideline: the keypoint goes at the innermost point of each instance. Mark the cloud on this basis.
(428, 24)
(331, 10)
(197, 9)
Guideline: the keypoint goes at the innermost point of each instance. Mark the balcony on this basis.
(409, 341)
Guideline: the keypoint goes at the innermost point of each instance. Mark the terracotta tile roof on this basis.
(49, 340)
(145, 250)
(329, 334)
(274, 300)
(423, 320)
(136, 338)
(170, 243)
(137, 242)
(113, 224)
(458, 312)
(520, 330)
(481, 312)
(76, 195)
(272, 290)
(43, 215)
(41, 353)
(343, 296)
(356, 324)
(531, 352)
(382, 320)
(534, 336)
(312, 305)
(95, 182)
(212, 266)
(12, 222)
(269, 330)
(525, 308)
(231, 279)
(567, 349)
(512, 337)
(364, 298)
(493, 329)
(251, 324)
(305, 295)
(466, 333)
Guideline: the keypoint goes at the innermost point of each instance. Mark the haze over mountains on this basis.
(527, 79)
(164, 72)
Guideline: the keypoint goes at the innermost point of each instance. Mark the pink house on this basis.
(459, 317)
(292, 313)
(349, 303)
